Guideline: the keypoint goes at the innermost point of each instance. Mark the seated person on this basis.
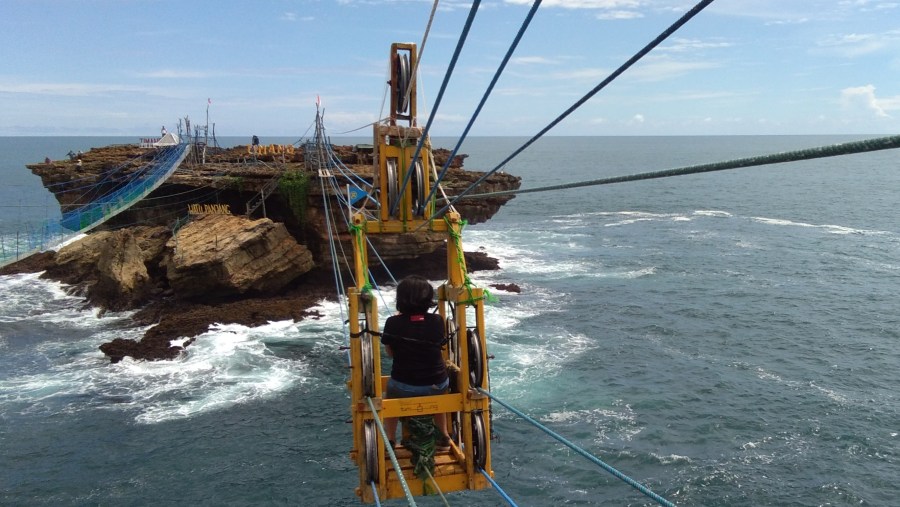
(413, 338)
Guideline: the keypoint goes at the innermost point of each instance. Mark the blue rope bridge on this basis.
(81, 220)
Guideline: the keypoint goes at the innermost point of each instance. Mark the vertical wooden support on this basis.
(363, 315)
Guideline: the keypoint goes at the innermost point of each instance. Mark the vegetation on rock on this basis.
(294, 186)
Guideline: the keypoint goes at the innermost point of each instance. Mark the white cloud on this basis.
(619, 14)
(72, 89)
(175, 74)
(590, 74)
(292, 16)
(864, 97)
(534, 60)
(637, 119)
(852, 45)
(663, 68)
(859, 44)
(680, 45)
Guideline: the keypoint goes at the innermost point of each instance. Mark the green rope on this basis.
(422, 443)
(357, 231)
(423, 436)
(460, 259)
(882, 143)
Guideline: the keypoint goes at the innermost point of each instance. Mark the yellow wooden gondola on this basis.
(461, 305)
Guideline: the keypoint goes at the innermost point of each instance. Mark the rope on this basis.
(415, 69)
(409, 497)
(357, 231)
(498, 488)
(834, 150)
(436, 487)
(484, 97)
(437, 102)
(437, 185)
(631, 61)
(460, 259)
(375, 494)
(335, 261)
(83, 218)
(631, 482)
(335, 265)
(421, 442)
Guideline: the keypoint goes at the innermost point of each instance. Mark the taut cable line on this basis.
(834, 150)
(487, 93)
(631, 61)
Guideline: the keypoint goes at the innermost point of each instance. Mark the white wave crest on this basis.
(831, 229)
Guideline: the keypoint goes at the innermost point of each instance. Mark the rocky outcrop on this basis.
(109, 267)
(228, 268)
(213, 257)
(225, 255)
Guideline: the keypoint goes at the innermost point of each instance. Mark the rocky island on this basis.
(235, 235)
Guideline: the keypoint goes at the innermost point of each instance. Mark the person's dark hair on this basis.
(414, 295)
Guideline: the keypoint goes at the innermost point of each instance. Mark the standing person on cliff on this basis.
(255, 143)
(414, 338)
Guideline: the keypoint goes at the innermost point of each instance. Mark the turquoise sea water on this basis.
(726, 339)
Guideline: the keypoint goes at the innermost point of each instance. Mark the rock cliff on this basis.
(248, 266)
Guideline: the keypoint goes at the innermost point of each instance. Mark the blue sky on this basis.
(121, 67)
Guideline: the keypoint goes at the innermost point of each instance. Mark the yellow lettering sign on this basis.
(209, 209)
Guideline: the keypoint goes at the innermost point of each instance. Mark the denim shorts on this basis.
(397, 389)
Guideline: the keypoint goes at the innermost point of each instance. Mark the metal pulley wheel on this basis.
(401, 81)
(392, 182)
(479, 440)
(371, 451)
(476, 363)
(418, 189)
(452, 334)
(368, 365)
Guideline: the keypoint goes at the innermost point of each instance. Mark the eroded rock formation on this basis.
(227, 255)
(245, 269)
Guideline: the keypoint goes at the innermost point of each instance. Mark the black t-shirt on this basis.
(416, 343)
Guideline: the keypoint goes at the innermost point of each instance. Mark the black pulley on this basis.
(368, 365)
(476, 363)
(371, 450)
(479, 440)
(401, 83)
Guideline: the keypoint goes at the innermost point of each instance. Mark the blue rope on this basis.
(437, 102)
(335, 264)
(631, 61)
(375, 493)
(484, 98)
(831, 150)
(498, 488)
(409, 496)
(628, 480)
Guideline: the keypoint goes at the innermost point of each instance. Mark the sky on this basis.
(770, 67)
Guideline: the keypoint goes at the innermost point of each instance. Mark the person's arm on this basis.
(386, 337)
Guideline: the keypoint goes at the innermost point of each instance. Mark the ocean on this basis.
(728, 338)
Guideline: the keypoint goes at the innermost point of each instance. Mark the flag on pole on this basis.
(354, 194)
